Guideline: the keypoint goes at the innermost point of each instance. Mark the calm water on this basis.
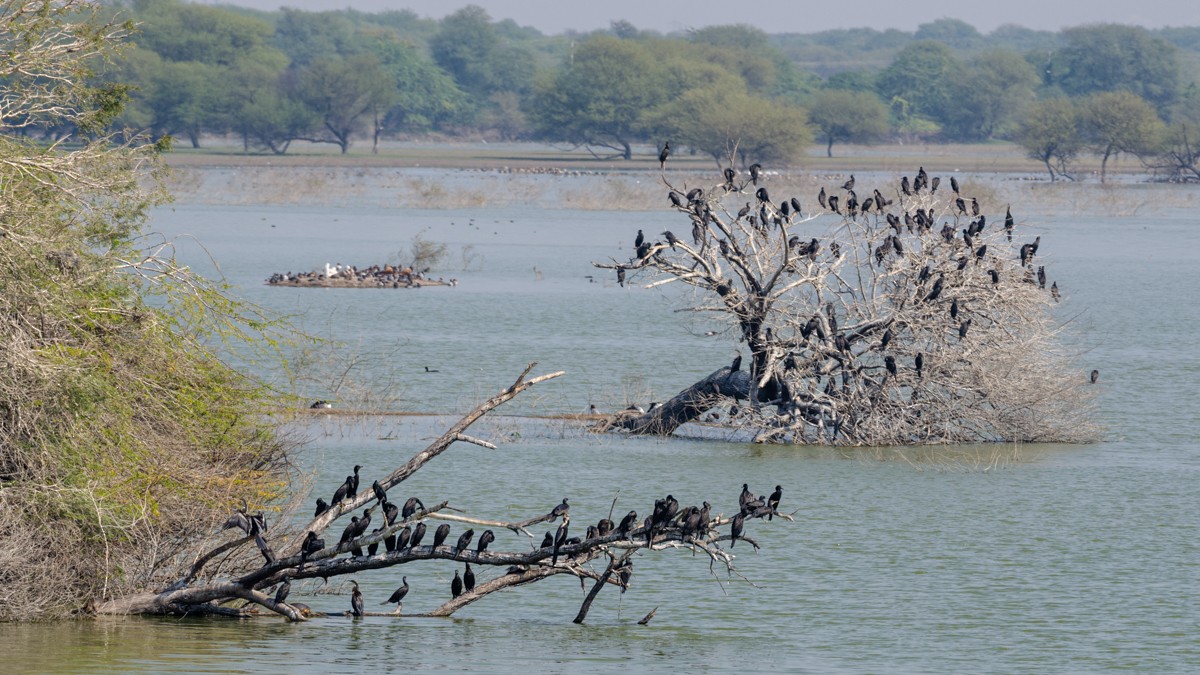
(997, 559)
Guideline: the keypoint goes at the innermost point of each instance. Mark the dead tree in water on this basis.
(613, 545)
(896, 315)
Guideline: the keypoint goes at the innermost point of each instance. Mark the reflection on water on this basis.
(981, 559)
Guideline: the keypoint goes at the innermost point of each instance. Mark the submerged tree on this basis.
(872, 315)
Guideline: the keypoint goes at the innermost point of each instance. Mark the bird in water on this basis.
(468, 579)
(356, 600)
(281, 593)
(1095, 376)
(456, 585)
(663, 155)
(322, 507)
(735, 528)
(464, 540)
(398, 596)
(484, 539)
(560, 511)
(560, 537)
(773, 501)
(439, 535)
(428, 370)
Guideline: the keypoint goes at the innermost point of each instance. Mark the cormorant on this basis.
(833, 204)
(311, 545)
(744, 211)
(403, 538)
(592, 532)
(920, 363)
(1095, 376)
(440, 534)
(773, 501)
(981, 251)
(921, 180)
(890, 362)
(410, 507)
(735, 528)
(762, 195)
(1008, 222)
(730, 175)
(1026, 253)
(736, 365)
(484, 539)
(464, 540)
(954, 308)
(560, 537)
(560, 510)
(821, 199)
(398, 596)
(954, 184)
(745, 497)
(547, 540)
(849, 185)
(671, 239)
(933, 185)
(377, 487)
(285, 587)
(1036, 243)
(663, 154)
(643, 250)
(676, 200)
(1041, 275)
(356, 600)
(417, 535)
(904, 186)
(962, 329)
(456, 585)
(390, 512)
(372, 549)
(961, 204)
(1054, 291)
(974, 206)
(937, 288)
(639, 240)
(354, 488)
(343, 490)
(995, 276)
(755, 172)
(468, 579)
(627, 523)
(795, 206)
(604, 527)
(356, 528)
(322, 507)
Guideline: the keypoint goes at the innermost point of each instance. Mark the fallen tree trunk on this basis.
(686, 406)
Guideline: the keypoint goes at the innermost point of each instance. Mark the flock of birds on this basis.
(666, 519)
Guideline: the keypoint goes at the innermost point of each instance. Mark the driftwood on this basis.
(572, 557)
(686, 406)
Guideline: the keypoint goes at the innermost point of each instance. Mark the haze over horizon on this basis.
(775, 16)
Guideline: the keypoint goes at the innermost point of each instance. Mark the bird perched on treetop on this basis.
(663, 154)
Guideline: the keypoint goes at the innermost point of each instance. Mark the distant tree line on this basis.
(345, 77)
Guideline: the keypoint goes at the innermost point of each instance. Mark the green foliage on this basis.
(178, 31)
(469, 47)
(954, 33)
(839, 115)
(344, 93)
(425, 94)
(989, 94)
(1050, 133)
(923, 77)
(729, 123)
(1111, 57)
(1118, 121)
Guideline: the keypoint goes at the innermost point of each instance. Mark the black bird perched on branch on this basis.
(1008, 222)
(397, 597)
(639, 240)
(282, 592)
(937, 287)
(736, 365)
(849, 185)
(961, 204)
(468, 579)
(933, 185)
(560, 511)
(954, 308)
(887, 337)
(671, 239)
(730, 176)
(904, 186)
(974, 206)
(663, 155)
(372, 549)
(410, 507)
(311, 545)
(456, 585)
(355, 529)
(604, 527)
(821, 199)
(343, 491)
(833, 204)
(995, 275)
(403, 538)
(745, 497)
(464, 540)
(773, 501)
(1041, 276)
(795, 206)
(963, 328)
(762, 195)
(560, 537)
(240, 520)
(921, 180)
(890, 362)
(356, 600)
(919, 362)
(755, 172)
(377, 488)
(675, 199)
(354, 488)
(484, 539)
(547, 540)
(440, 534)
(735, 528)
(417, 535)
(322, 507)
(954, 184)
(627, 523)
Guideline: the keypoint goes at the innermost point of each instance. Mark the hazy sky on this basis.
(783, 16)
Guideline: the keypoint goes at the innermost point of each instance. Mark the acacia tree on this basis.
(345, 93)
(893, 315)
(1118, 121)
(841, 115)
(1051, 134)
